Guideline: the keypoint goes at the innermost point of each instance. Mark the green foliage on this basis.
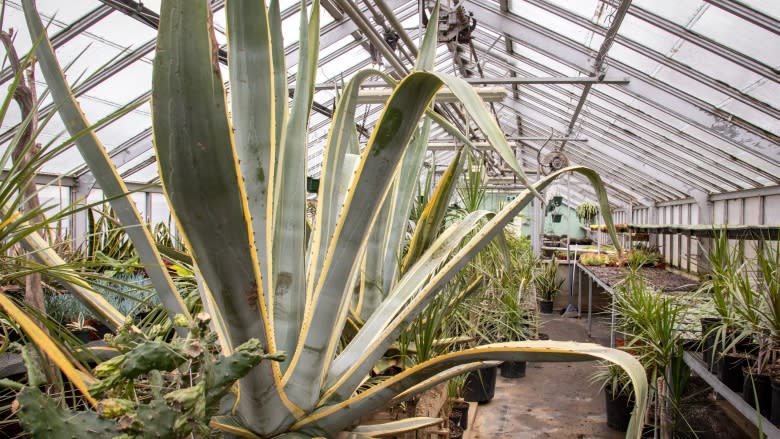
(546, 282)
(152, 389)
(613, 379)
(587, 211)
(641, 257)
(594, 259)
(261, 273)
(649, 321)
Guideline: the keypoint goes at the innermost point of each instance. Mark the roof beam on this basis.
(650, 91)
(598, 63)
(705, 43)
(68, 32)
(723, 157)
(546, 96)
(607, 153)
(667, 61)
(748, 14)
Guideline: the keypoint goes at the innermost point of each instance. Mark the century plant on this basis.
(234, 177)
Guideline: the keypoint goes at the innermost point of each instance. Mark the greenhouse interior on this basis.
(390, 218)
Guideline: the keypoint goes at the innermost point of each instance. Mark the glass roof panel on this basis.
(560, 25)
(768, 7)
(120, 31)
(648, 35)
(740, 35)
(677, 11)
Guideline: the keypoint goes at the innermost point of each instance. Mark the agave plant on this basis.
(235, 181)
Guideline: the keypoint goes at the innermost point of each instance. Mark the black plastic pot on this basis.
(513, 369)
(312, 184)
(757, 388)
(618, 410)
(84, 335)
(557, 200)
(775, 415)
(546, 306)
(460, 415)
(556, 217)
(480, 385)
(708, 341)
(730, 370)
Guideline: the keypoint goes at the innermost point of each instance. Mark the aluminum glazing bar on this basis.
(729, 158)
(669, 62)
(68, 32)
(598, 63)
(705, 43)
(648, 90)
(748, 14)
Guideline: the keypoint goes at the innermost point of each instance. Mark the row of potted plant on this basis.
(649, 323)
(741, 337)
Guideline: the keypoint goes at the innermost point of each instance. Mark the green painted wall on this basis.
(570, 225)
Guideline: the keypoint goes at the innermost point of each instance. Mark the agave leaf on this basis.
(402, 199)
(332, 292)
(342, 385)
(81, 379)
(203, 183)
(200, 172)
(100, 164)
(426, 56)
(232, 426)
(362, 355)
(334, 177)
(249, 32)
(217, 322)
(397, 427)
(279, 77)
(433, 214)
(289, 197)
(441, 378)
(332, 418)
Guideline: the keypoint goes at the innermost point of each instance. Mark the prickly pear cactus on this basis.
(153, 389)
(42, 417)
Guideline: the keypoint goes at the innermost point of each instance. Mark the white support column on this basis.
(79, 194)
(537, 227)
(706, 213)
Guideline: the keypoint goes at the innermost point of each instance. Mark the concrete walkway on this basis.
(553, 400)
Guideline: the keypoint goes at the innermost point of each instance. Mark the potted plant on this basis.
(556, 217)
(618, 395)
(650, 321)
(226, 197)
(458, 408)
(547, 285)
(81, 329)
(593, 259)
(587, 211)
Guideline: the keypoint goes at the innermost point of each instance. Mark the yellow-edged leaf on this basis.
(79, 378)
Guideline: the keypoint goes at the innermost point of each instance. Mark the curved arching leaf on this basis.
(365, 349)
(332, 418)
(331, 295)
(80, 378)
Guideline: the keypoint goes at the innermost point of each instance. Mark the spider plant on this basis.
(649, 321)
(236, 188)
(546, 282)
